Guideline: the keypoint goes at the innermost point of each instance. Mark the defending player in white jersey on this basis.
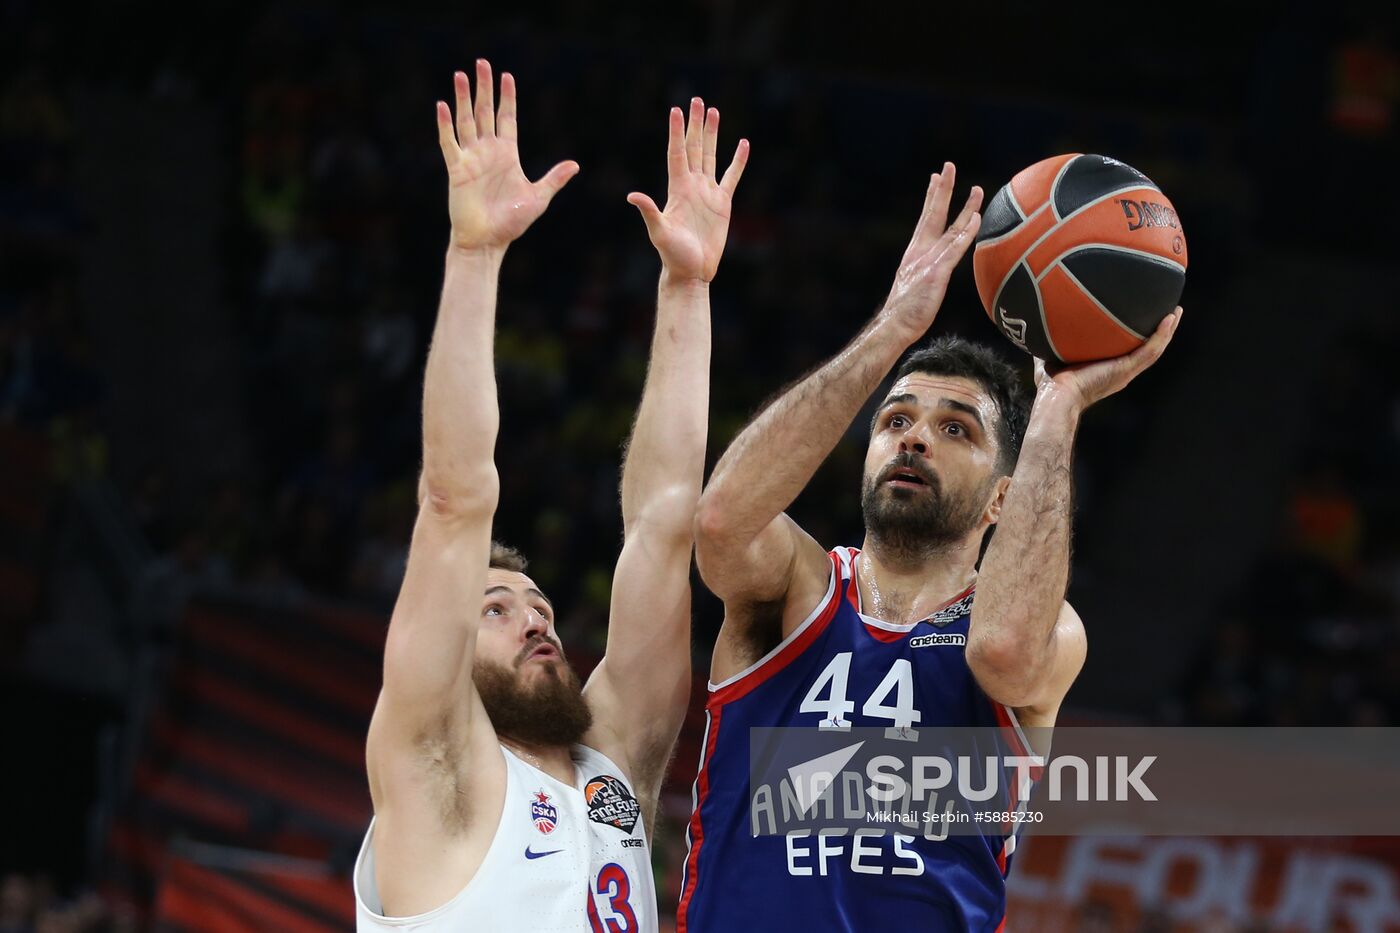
(505, 797)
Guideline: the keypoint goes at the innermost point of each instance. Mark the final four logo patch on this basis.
(544, 813)
(610, 803)
(952, 612)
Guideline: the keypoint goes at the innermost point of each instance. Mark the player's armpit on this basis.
(437, 796)
(422, 771)
(638, 693)
(1034, 683)
(436, 772)
(768, 586)
(637, 724)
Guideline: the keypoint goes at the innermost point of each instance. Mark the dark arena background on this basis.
(221, 240)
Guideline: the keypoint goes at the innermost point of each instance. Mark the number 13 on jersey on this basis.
(613, 887)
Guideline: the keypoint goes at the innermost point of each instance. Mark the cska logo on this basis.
(543, 813)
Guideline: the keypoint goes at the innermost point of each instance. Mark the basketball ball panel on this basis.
(1088, 177)
(987, 274)
(1031, 186)
(999, 217)
(1109, 222)
(1017, 314)
(992, 260)
(1138, 290)
(1077, 326)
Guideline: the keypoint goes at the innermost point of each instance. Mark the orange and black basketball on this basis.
(1079, 257)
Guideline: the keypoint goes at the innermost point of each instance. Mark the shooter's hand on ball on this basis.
(1083, 384)
(932, 254)
(490, 200)
(690, 233)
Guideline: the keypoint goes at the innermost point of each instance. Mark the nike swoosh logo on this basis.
(529, 854)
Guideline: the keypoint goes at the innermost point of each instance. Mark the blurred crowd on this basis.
(34, 904)
(334, 258)
(1311, 636)
(48, 380)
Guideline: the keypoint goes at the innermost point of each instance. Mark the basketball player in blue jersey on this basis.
(830, 639)
(506, 798)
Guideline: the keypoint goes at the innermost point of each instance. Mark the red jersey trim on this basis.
(695, 833)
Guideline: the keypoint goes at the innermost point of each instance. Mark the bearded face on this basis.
(910, 512)
(537, 707)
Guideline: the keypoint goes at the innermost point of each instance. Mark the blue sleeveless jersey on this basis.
(737, 881)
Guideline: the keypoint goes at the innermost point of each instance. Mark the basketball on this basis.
(1079, 257)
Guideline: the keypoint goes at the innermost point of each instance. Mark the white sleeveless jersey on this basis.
(564, 858)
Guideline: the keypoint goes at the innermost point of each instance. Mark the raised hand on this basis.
(933, 252)
(490, 200)
(690, 233)
(1086, 383)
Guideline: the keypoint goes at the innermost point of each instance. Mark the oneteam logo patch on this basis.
(933, 641)
(610, 803)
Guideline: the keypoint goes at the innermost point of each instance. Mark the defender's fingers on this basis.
(675, 143)
(730, 181)
(710, 142)
(448, 143)
(556, 178)
(694, 130)
(651, 214)
(485, 100)
(466, 126)
(505, 117)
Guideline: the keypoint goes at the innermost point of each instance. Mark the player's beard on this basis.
(911, 525)
(550, 711)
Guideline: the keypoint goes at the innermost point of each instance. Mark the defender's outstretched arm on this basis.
(428, 729)
(640, 690)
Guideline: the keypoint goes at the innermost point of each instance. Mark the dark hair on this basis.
(507, 558)
(955, 356)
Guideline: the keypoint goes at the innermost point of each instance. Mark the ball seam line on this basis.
(1080, 247)
(1040, 305)
(1055, 185)
(1070, 216)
